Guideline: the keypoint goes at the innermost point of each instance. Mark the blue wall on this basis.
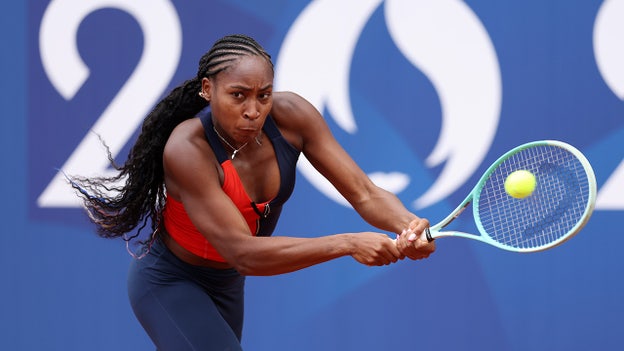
(465, 81)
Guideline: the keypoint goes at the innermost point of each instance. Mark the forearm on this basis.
(385, 211)
(278, 255)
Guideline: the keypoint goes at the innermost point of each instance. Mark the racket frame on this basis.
(435, 231)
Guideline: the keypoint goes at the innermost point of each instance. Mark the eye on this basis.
(237, 94)
(265, 96)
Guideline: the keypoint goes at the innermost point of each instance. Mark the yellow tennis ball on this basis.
(520, 184)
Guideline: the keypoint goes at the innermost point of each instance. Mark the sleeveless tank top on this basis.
(261, 217)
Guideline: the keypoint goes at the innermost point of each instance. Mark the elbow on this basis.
(256, 264)
(244, 263)
(243, 268)
(255, 257)
(250, 269)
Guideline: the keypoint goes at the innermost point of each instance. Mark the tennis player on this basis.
(212, 183)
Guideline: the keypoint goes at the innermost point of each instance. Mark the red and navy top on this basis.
(261, 217)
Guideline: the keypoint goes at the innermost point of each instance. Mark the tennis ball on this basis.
(520, 184)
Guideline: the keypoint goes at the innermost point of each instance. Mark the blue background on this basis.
(63, 288)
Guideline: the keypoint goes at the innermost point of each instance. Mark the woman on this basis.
(227, 173)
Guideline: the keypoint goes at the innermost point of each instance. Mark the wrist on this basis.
(346, 244)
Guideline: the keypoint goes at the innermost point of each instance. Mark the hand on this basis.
(375, 249)
(413, 243)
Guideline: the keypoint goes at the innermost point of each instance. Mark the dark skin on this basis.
(241, 97)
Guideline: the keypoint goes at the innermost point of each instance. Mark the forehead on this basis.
(248, 71)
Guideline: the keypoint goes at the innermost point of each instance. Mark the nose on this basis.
(252, 111)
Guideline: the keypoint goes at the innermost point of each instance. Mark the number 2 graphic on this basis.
(67, 72)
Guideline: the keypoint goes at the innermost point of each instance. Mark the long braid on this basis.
(118, 209)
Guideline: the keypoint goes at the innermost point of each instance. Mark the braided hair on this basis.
(136, 195)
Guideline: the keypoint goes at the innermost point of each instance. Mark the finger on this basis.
(392, 255)
(399, 246)
(401, 239)
(420, 226)
(396, 253)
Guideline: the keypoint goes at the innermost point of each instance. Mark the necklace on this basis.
(257, 138)
(230, 145)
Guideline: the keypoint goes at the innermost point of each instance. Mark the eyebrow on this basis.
(246, 88)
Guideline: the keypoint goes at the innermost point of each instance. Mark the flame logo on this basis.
(444, 39)
(608, 31)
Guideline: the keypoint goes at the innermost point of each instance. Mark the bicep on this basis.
(192, 177)
(336, 165)
(324, 152)
(377, 206)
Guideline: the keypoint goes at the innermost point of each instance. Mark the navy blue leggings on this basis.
(186, 307)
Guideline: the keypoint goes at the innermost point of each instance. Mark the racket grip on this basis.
(428, 235)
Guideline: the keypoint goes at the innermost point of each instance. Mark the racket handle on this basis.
(427, 233)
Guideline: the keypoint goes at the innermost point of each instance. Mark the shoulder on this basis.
(295, 116)
(185, 136)
(186, 155)
(290, 105)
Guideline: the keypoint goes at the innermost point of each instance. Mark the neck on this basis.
(235, 150)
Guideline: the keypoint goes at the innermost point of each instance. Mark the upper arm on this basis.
(314, 138)
(192, 177)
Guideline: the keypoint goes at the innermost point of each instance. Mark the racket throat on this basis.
(453, 216)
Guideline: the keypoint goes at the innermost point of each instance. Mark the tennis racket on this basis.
(558, 208)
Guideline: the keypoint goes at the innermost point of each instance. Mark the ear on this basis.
(206, 88)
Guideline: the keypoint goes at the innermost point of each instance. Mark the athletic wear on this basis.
(261, 218)
(187, 307)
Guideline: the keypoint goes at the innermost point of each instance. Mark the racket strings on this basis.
(554, 208)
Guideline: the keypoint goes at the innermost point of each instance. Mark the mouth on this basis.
(248, 133)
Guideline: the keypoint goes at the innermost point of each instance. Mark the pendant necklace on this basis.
(228, 144)
(257, 138)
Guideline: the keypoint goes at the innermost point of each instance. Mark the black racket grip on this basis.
(428, 235)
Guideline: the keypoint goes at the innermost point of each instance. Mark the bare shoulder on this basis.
(186, 136)
(287, 101)
(186, 155)
(295, 116)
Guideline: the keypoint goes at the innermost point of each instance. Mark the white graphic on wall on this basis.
(609, 53)
(444, 39)
(67, 72)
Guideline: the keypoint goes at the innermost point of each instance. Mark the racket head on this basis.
(558, 208)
